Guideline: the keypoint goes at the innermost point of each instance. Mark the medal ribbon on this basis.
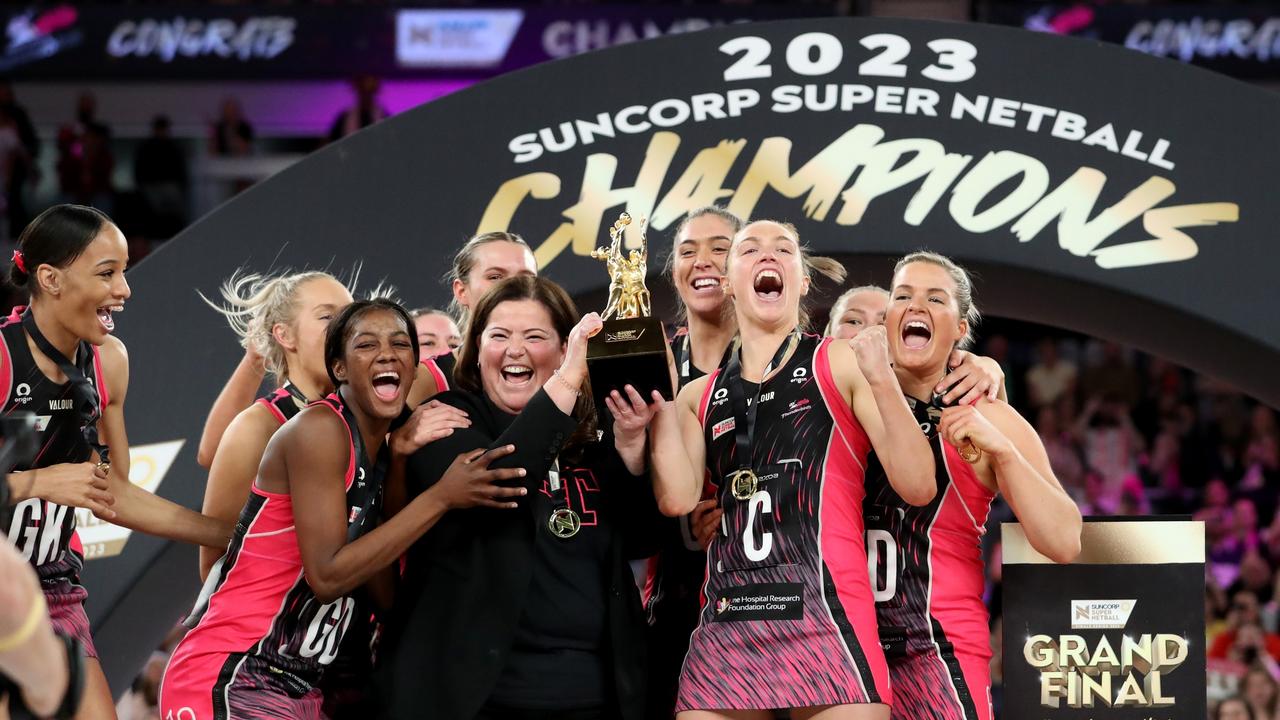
(744, 415)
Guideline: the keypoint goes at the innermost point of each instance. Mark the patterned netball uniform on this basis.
(41, 530)
(441, 368)
(264, 639)
(674, 578)
(927, 576)
(284, 402)
(788, 618)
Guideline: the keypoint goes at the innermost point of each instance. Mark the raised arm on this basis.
(134, 507)
(677, 452)
(862, 366)
(315, 452)
(1015, 463)
(236, 395)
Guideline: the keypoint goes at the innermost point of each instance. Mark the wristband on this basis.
(28, 627)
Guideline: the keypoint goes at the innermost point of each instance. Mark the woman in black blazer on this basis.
(528, 610)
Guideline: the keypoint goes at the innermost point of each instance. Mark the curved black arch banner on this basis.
(1098, 189)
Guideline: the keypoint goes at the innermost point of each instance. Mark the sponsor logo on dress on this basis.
(760, 601)
(723, 427)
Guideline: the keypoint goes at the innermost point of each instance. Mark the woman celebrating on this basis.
(790, 484)
(310, 534)
(282, 320)
(529, 613)
(926, 560)
(60, 361)
(484, 260)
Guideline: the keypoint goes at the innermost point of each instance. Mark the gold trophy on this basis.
(631, 348)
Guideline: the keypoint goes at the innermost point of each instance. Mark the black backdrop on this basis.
(401, 196)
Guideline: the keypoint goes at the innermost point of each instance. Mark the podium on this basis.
(1117, 634)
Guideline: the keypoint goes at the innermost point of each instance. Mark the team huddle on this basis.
(426, 519)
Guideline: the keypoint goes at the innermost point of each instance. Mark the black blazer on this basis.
(466, 580)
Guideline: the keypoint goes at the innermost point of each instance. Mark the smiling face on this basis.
(377, 365)
(519, 350)
(923, 320)
(87, 292)
(697, 266)
(437, 334)
(858, 310)
(493, 262)
(766, 276)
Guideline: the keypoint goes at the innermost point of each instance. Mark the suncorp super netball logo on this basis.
(1101, 614)
(869, 160)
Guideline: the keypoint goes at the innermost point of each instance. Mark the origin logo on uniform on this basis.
(1100, 614)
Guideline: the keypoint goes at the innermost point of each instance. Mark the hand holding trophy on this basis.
(631, 348)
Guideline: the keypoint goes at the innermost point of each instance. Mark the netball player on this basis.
(483, 260)
(437, 331)
(695, 268)
(283, 320)
(788, 619)
(311, 534)
(927, 569)
(59, 360)
(857, 308)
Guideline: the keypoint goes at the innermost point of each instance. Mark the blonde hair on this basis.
(844, 300)
(829, 268)
(254, 304)
(964, 288)
(465, 260)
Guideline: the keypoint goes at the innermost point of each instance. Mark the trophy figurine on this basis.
(631, 348)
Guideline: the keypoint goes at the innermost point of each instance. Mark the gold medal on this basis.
(564, 523)
(743, 484)
(969, 452)
(105, 467)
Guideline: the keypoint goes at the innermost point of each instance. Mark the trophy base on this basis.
(631, 351)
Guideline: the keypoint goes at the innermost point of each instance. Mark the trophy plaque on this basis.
(631, 348)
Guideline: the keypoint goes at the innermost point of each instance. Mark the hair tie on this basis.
(20, 261)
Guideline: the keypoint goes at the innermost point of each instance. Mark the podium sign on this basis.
(1118, 634)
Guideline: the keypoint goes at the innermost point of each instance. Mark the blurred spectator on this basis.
(87, 115)
(13, 155)
(1255, 576)
(996, 347)
(22, 173)
(231, 135)
(1244, 635)
(364, 113)
(1239, 538)
(1063, 451)
(1051, 377)
(1261, 460)
(1234, 708)
(1259, 689)
(160, 174)
(1111, 443)
(1112, 376)
(85, 162)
